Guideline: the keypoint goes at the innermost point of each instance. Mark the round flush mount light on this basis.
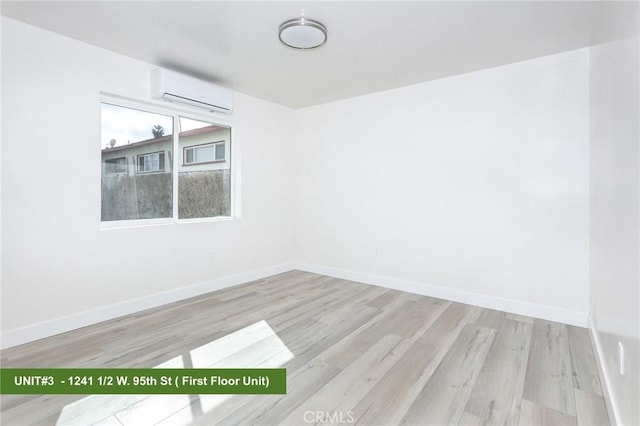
(303, 33)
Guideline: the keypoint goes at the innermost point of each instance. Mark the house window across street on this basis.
(150, 163)
(207, 153)
(115, 166)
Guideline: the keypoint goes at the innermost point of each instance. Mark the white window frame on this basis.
(232, 154)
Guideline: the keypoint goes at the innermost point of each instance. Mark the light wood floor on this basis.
(354, 353)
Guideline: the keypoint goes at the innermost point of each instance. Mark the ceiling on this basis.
(372, 46)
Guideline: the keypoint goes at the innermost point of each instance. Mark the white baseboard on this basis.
(83, 319)
(94, 316)
(550, 313)
(612, 407)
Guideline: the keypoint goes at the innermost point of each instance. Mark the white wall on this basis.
(57, 262)
(473, 187)
(615, 202)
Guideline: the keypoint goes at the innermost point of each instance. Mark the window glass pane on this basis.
(205, 153)
(151, 163)
(220, 151)
(204, 186)
(144, 140)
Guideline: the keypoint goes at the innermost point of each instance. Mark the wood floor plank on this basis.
(532, 414)
(360, 340)
(443, 398)
(307, 342)
(319, 305)
(345, 390)
(490, 318)
(37, 410)
(403, 317)
(583, 362)
(549, 380)
(339, 311)
(388, 402)
(470, 420)
(257, 308)
(136, 348)
(265, 284)
(591, 409)
(384, 299)
(497, 392)
(419, 317)
(73, 354)
(367, 294)
(302, 385)
(455, 316)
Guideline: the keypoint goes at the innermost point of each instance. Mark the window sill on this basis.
(203, 162)
(205, 219)
(144, 223)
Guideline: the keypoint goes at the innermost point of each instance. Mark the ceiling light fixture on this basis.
(302, 33)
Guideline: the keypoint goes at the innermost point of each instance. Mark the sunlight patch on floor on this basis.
(255, 346)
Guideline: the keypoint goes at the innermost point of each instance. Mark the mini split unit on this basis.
(178, 88)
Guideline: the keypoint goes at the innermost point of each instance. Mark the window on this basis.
(204, 180)
(157, 185)
(115, 166)
(151, 163)
(207, 153)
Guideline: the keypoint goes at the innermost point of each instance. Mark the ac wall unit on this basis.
(179, 88)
